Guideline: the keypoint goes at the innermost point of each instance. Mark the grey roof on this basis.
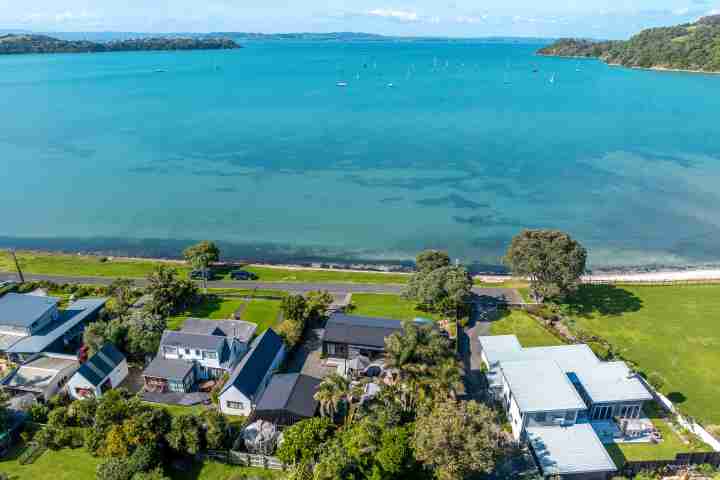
(290, 392)
(37, 374)
(168, 368)
(541, 386)
(243, 331)
(569, 450)
(602, 381)
(192, 340)
(97, 368)
(71, 316)
(251, 370)
(356, 330)
(20, 310)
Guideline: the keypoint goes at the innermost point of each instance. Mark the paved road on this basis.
(506, 294)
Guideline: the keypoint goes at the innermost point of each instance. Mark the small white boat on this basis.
(160, 70)
(390, 85)
(342, 84)
(552, 79)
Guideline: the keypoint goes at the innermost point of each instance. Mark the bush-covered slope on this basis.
(692, 46)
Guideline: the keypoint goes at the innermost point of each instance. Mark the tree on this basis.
(114, 469)
(156, 474)
(144, 334)
(123, 297)
(303, 441)
(185, 434)
(201, 255)
(430, 260)
(168, 293)
(294, 307)
(551, 259)
(317, 304)
(458, 439)
(216, 429)
(437, 286)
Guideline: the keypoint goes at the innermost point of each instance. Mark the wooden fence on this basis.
(681, 461)
(233, 457)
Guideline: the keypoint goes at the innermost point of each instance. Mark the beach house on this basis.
(251, 376)
(203, 350)
(559, 399)
(351, 336)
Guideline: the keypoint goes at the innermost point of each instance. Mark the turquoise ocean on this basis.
(445, 144)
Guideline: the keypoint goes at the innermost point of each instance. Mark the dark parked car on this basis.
(242, 275)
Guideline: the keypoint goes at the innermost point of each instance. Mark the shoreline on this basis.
(620, 65)
(638, 274)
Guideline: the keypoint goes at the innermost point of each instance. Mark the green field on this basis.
(263, 312)
(78, 464)
(387, 306)
(529, 332)
(672, 330)
(44, 263)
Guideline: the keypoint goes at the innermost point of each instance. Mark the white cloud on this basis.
(400, 15)
(471, 20)
(681, 12)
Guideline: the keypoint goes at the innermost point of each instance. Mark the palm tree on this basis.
(332, 390)
(446, 378)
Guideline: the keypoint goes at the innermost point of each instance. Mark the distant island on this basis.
(689, 47)
(29, 43)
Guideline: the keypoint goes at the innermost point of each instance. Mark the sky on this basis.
(454, 18)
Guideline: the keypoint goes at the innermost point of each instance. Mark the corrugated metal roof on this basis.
(255, 364)
(569, 450)
(291, 392)
(541, 386)
(168, 368)
(192, 340)
(75, 313)
(19, 310)
(243, 331)
(97, 368)
(356, 330)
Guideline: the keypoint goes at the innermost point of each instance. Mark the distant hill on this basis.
(30, 43)
(691, 47)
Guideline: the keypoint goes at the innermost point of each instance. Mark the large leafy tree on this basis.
(294, 309)
(459, 439)
(552, 260)
(185, 434)
(123, 296)
(302, 442)
(201, 255)
(169, 294)
(216, 429)
(438, 286)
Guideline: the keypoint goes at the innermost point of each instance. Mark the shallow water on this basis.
(259, 148)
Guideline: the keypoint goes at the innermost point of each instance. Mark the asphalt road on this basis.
(507, 294)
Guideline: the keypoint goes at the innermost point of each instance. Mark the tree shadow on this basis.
(602, 299)
(676, 397)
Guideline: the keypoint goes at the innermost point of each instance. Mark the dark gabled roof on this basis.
(355, 330)
(192, 340)
(255, 364)
(21, 310)
(169, 369)
(290, 392)
(100, 365)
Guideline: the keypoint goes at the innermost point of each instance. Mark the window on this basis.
(187, 351)
(330, 349)
(210, 355)
(170, 350)
(570, 416)
(235, 405)
(197, 353)
(540, 417)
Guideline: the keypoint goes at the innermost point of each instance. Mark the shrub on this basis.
(656, 380)
(114, 469)
(31, 453)
(38, 413)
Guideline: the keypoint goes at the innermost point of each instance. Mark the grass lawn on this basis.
(261, 311)
(387, 306)
(527, 329)
(671, 445)
(672, 330)
(78, 464)
(271, 274)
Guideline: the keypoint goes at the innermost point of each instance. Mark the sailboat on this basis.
(552, 78)
(342, 84)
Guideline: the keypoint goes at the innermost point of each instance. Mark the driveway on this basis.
(306, 357)
(481, 318)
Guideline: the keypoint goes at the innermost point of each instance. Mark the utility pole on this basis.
(17, 266)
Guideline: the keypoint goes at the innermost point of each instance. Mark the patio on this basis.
(636, 430)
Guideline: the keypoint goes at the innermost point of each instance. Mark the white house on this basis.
(558, 397)
(103, 371)
(243, 390)
(214, 346)
(43, 375)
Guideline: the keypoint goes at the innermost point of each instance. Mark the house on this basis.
(169, 375)
(43, 375)
(214, 346)
(554, 395)
(102, 372)
(349, 336)
(30, 324)
(251, 376)
(288, 398)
